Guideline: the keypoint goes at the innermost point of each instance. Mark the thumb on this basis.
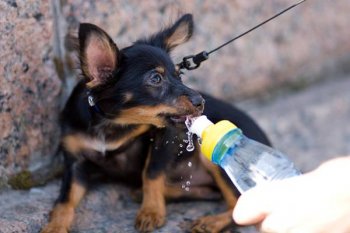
(255, 204)
(251, 207)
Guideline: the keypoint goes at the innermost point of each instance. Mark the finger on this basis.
(273, 224)
(255, 204)
(251, 207)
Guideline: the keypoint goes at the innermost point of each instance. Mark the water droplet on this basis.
(156, 148)
(183, 186)
(151, 139)
(188, 124)
(187, 189)
(180, 145)
(190, 145)
(189, 164)
(188, 183)
(172, 142)
(199, 141)
(191, 176)
(181, 152)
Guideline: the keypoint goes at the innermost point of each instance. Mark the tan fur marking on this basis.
(160, 69)
(173, 192)
(144, 115)
(214, 223)
(73, 143)
(61, 217)
(76, 193)
(78, 142)
(185, 104)
(153, 191)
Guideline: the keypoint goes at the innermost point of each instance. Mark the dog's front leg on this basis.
(152, 212)
(73, 188)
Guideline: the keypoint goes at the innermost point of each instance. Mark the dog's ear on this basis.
(98, 54)
(178, 33)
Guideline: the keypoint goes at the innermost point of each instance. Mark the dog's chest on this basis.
(119, 160)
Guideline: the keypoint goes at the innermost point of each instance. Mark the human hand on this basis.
(316, 202)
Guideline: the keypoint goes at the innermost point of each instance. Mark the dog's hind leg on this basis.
(216, 223)
(73, 188)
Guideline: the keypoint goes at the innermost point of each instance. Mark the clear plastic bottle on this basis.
(246, 162)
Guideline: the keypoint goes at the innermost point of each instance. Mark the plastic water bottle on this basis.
(247, 162)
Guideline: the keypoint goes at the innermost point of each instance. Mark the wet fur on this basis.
(134, 131)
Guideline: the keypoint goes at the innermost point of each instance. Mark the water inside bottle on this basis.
(252, 163)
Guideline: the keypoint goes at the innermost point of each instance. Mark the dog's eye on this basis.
(156, 78)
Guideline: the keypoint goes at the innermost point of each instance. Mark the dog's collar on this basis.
(93, 104)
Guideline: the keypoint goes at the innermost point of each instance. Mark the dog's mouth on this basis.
(179, 120)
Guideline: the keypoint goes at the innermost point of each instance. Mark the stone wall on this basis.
(36, 73)
(29, 87)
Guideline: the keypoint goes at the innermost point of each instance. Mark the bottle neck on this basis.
(226, 145)
(210, 133)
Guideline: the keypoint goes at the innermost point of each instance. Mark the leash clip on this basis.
(193, 61)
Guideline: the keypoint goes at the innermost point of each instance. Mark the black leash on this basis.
(194, 61)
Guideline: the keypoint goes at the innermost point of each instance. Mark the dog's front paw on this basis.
(148, 220)
(53, 228)
(206, 224)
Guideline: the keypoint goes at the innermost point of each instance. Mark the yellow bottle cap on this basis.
(212, 135)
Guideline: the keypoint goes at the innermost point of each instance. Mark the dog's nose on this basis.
(198, 101)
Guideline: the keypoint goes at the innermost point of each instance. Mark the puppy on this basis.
(125, 119)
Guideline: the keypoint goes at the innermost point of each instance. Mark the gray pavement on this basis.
(310, 126)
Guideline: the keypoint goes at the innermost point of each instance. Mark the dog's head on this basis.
(139, 84)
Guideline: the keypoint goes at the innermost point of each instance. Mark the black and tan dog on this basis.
(126, 119)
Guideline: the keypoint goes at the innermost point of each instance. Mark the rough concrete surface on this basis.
(310, 126)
